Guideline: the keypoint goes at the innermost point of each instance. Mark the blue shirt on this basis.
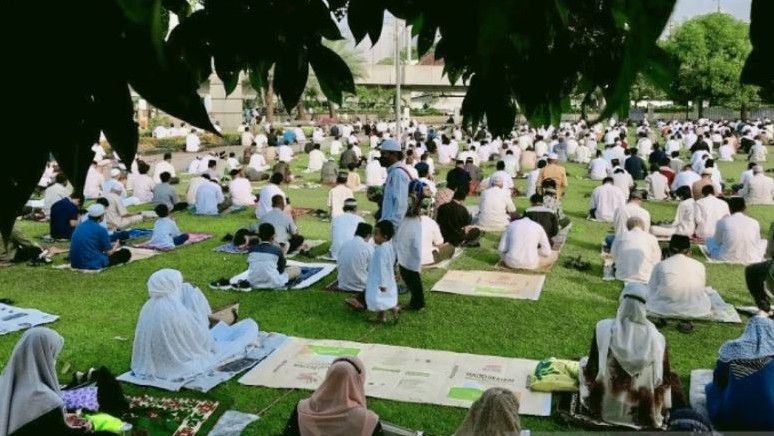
(164, 193)
(289, 136)
(89, 245)
(208, 196)
(164, 230)
(62, 212)
(395, 202)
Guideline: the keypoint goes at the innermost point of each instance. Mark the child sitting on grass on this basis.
(381, 292)
(166, 234)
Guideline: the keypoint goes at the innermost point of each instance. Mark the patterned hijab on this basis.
(29, 387)
(756, 342)
(496, 413)
(338, 406)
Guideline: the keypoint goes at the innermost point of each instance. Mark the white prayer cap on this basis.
(390, 145)
(115, 172)
(96, 210)
(553, 156)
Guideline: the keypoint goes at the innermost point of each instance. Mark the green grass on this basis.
(98, 312)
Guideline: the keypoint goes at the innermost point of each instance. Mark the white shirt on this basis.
(635, 252)
(284, 153)
(737, 239)
(336, 197)
(709, 210)
(624, 182)
(258, 162)
(192, 143)
(408, 243)
(316, 160)
(208, 196)
(726, 152)
(677, 289)
(629, 210)
(193, 167)
(335, 147)
(494, 206)
(352, 262)
(523, 243)
(431, 236)
(599, 168)
(342, 231)
(505, 177)
(241, 192)
(93, 185)
(163, 167)
(376, 174)
(758, 152)
(759, 189)
(193, 185)
(685, 178)
(143, 188)
(264, 200)
(657, 185)
(606, 199)
(582, 154)
(685, 218)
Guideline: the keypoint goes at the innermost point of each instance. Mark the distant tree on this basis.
(643, 89)
(711, 51)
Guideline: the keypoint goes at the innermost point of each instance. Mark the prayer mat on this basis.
(573, 413)
(721, 311)
(169, 416)
(697, 396)
(326, 257)
(140, 233)
(544, 268)
(193, 238)
(491, 284)
(403, 374)
(220, 372)
(748, 310)
(233, 423)
(306, 246)
(229, 248)
(311, 273)
(301, 211)
(705, 251)
(13, 318)
(444, 264)
(137, 254)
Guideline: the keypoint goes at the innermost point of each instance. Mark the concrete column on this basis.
(227, 109)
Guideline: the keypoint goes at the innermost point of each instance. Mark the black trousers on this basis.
(179, 206)
(756, 275)
(121, 256)
(26, 253)
(294, 242)
(414, 282)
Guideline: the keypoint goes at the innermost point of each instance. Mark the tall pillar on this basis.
(226, 109)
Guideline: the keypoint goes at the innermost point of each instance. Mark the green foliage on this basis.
(208, 140)
(711, 50)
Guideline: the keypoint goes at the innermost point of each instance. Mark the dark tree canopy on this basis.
(525, 54)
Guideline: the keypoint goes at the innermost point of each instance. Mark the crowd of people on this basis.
(421, 219)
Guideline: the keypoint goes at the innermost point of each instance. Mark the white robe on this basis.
(606, 199)
(342, 231)
(759, 189)
(629, 210)
(677, 289)
(635, 253)
(494, 206)
(523, 243)
(381, 274)
(709, 210)
(737, 239)
(353, 260)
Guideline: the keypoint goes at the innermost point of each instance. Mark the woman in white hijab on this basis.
(496, 413)
(172, 340)
(626, 380)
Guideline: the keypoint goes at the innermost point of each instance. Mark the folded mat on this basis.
(491, 284)
(137, 254)
(13, 318)
(311, 273)
(232, 423)
(445, 263)
(219, 373)
(402, 373)
(193, 238)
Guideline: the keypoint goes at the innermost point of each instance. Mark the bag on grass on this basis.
(554, 375)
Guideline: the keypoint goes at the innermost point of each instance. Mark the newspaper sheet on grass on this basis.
(491, 284)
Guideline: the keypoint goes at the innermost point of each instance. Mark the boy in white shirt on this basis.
(381, 292)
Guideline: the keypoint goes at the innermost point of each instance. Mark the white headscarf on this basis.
(29, 387)
(194, 300)
(634, 341)
(170, 342)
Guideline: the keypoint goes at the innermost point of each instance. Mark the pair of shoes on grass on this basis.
(577, 263)
(225, 284)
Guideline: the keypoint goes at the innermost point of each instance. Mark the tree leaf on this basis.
(290, 75)
(259, 75)
(365, 17)
(332, 73)
(115, 110)
(426, 38)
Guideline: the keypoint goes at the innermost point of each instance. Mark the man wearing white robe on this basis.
(758, 189)
(685, 217)
(353, 259)
(623, 181)
(495, 206)
(376, 174)
(737, 237)
(632, 209)
(657, 184)
(316, 160)
(58, 190)
(92, 188)
(635, 252)
(525, 245)
(267, 193)
(677, 284)
(599, 167)
(192, 143)
(240, 189)
(284, 153)
(343, 227)
(605, 199)
(338, 195)
(709, 210)
(164, 166)
(258, 162)
(686, 177)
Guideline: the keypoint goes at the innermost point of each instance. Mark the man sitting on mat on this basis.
(434, 248)
(343, 227)
(164, 193)
(90, 247)
(677, 284)
(635, 252)
(525, 245)
(268, 269)
(496, 207)
(286, 230)
(456, 223)
(166, 234)
(737, 237)
(543, 216)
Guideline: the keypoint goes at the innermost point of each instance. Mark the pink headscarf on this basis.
(338, 406)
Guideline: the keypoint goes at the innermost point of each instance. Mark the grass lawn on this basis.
(98, 312)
